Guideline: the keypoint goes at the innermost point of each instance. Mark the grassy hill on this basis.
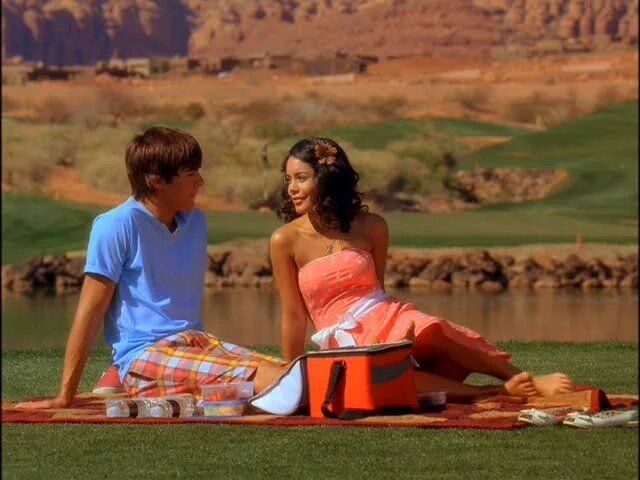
(600, 151)
(600, 203)
(380, 135)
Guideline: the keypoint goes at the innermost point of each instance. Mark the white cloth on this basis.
(340, 330)
(284, 396)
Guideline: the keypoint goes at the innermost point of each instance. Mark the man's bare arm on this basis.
(94, 301)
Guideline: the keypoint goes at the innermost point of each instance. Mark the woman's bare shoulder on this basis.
(284, 236)
(370, 222)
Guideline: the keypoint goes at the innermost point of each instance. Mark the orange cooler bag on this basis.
(358, 381)
(346, 383)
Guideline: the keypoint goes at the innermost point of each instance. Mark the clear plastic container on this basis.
(224, 392)
(228, 408)
(172, 407)
(127, 408)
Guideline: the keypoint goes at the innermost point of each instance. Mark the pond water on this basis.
(252, 317)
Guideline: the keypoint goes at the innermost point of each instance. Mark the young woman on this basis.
(329, 262)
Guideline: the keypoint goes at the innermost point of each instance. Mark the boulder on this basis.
(546, 281)
(440, 286)
(630, 281)
(419, 283)
(591, 283)
(490, 286)
(520, 281)
(460, 280)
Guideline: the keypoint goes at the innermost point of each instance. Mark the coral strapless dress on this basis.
(348, 307)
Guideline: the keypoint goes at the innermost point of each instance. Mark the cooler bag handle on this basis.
(337, 370)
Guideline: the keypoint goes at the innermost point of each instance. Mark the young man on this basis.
(145, 268)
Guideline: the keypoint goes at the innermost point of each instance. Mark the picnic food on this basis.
(221, 392)
(230, 408)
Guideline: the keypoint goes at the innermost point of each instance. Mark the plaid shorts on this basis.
(180, 362)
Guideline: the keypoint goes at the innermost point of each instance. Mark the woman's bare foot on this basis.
(521, 385)
(553, 384)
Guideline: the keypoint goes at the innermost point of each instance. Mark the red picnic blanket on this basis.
(493, 413)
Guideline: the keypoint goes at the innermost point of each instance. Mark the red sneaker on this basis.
(109, 382)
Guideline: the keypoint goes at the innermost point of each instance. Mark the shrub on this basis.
(532, 109)
(54, 110)
(410, 176)
(8, 103)
(118, 104)
(66, 155)
(89, 116)
(194, 111)
(99, 157)
(567, 108)
(375, 167)
(607, 96)
(476, 99)
(273, 130)
(388, 107)
(544, 109)
(31, 150)
(256, 110)
(312, 113)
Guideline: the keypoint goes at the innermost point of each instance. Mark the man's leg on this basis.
(266, 373)
(184, 361)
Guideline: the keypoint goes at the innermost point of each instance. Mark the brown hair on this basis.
(159, 151)
(339, 200)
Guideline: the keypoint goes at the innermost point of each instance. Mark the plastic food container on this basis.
(229, 408)
(224, 392)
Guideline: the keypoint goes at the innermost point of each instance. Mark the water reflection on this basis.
(252, 316)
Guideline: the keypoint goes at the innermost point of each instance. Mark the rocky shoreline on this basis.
(246, 265)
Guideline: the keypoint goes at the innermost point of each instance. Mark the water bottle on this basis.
(172, 407)
(128, 408)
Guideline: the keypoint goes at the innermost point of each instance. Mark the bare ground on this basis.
(65, 183)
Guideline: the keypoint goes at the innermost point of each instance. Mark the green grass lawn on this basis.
(600, 202)
(380, 135)
(193, 451)
(35, 225)
(599, 151)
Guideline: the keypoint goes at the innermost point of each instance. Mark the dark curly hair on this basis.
(338, 200)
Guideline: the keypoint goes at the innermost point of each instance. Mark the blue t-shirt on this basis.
(159, 276)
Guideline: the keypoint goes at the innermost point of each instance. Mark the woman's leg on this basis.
(519, 385)
(439, 345)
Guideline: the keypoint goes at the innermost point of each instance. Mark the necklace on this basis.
(330, 247)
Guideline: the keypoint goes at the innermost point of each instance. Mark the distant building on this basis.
(183, 65)
(573, 45)
(146, 67)
(43, 72)
(337, 64)
(548, 47)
